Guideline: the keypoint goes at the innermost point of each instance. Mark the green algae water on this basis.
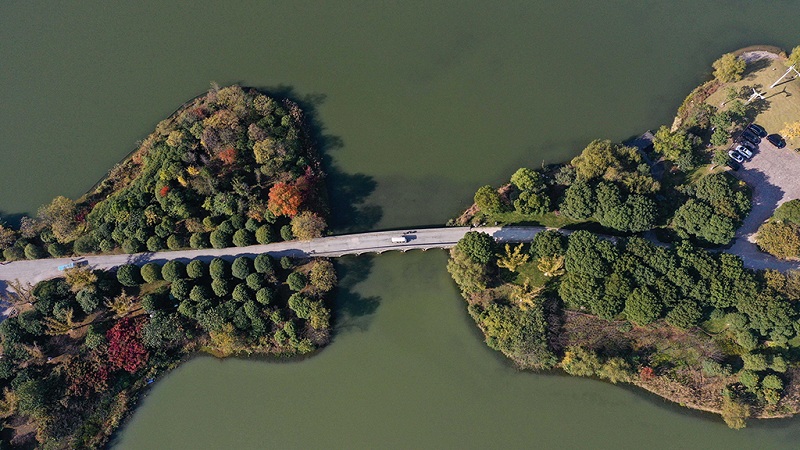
(418, 103)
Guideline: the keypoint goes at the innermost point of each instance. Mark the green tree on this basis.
(264, 263)
(173, 270)
(580, 362)
(323, 275)
(180, 289)
(720, 157)
(199, 240)
(781, 239)
(196, 269)
(88, 299)
(241, 293)
(243, 238)
(129, 275)
(221, 287)
(242, 267)
(548, 243)
(643, 307)
(729, 68)
(578, 202)
(788, 212)
(255, 281)
(695, 218)
(151, 272)
(685, 314)
(672, 144)
(477, 245)
(794, 58)
(219, 269)
(527, 180)
(470, 275)
(265, 296)
(264, 234)
(221, 239)
(296, 281)
(489, 201)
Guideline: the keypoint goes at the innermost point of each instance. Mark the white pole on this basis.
(784, 76)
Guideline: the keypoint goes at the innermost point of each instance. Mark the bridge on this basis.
(33, 271)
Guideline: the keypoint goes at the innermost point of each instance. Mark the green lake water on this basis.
(420, 103)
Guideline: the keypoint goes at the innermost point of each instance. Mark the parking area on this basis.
(773, 174)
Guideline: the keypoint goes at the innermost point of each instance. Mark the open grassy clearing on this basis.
(782, 103)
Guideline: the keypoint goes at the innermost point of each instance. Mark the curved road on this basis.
(333, 246)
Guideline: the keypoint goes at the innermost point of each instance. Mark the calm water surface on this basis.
(421, 103)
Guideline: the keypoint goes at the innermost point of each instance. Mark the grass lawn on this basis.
(529, 272)
(782, 104)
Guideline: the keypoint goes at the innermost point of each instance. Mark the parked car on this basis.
(744, 151)
(776, 140)
(748, 145)
(734, 165)
(758, 130)
(750, 136)
(736, 156)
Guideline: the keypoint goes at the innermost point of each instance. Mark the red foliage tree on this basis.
(87, 377)
(163, 191)
(285, 199)
(647, 373)
(227, 156)
(125, 348)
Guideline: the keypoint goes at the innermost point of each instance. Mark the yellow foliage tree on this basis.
(79, 278)
(56, 327)
(551, 266)
(791, 130)
(224, 340)
(122, 305)
(525, 296)
(512, 258)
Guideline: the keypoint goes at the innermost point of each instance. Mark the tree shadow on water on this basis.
(353, 311)
(347, 193)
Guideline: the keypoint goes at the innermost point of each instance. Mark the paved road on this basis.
(333, 246)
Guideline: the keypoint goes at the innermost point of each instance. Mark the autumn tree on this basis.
(729, 68)
(512, 257)
(125, 348)
(794, 58)
(307, 226)
(60, 216)
(323, 275)
(284, 199)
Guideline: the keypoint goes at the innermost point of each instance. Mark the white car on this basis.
(744, 151)
(736, 156)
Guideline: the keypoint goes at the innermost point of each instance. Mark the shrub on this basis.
(150, 302)
(286, 263)
(174, 242)
(107, 245)
(200, 293)
(173, 270)
(242, 267)
(199, 240)
(264, 264)
(132, 246)
(255, 281)
(89, 300)
(129, 275)
(94, 338)
(195, 269)
(180, 289)
(33, 251)
(154, 243)
(580, 362)
(151, 272)
(220, 239)
(264, 234)
(286, 233)
(772, 382)
(57, 250)
(243, 238)
(296, 281)
(241, 293)
(13, 253)
(219, 269)
(221, 288)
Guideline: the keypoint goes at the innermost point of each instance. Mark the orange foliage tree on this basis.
(284, 199)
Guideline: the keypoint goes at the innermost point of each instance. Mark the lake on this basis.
(420, 104)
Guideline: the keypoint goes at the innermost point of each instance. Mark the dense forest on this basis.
(232, 167)
(635, 287)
